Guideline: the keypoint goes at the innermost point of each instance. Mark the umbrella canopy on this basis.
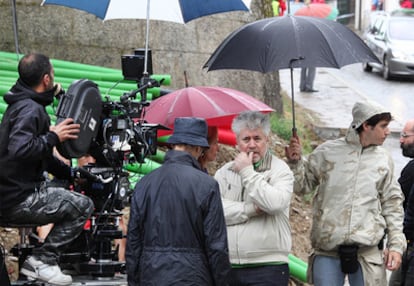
(290, 42)
(218, 105)
(318, 10)
(180, 11)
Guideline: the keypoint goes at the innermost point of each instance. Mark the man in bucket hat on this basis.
(357, 201)
(176, 232)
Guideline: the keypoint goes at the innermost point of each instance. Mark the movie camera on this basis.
(114, 133)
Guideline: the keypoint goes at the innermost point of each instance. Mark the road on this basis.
(339, 89)
(397, 95)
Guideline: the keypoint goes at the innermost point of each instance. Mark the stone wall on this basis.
(68, 34)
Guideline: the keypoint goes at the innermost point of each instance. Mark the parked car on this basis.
(391, 38)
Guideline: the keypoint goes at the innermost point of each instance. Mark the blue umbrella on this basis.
(181, 11)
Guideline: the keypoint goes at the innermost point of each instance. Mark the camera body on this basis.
(114, 134)
(108, 129)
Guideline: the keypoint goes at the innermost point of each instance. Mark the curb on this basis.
(328, 133)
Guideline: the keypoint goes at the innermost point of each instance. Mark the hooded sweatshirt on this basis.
(357, 198)
(26, 145)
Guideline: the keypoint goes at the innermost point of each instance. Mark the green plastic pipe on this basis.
(297, 260)
(158, 157)
(7, 73)
(61, 64)
(10, 77)
(3, 107)
(143, 168)
(297, 268)
(163, 139)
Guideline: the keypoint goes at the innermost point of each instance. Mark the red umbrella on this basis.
(318, 10)
(218, 105)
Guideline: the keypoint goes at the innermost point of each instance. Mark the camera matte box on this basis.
(83, 103)
(133, 65)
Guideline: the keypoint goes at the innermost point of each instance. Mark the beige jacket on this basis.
(253, 237)
(357, 197)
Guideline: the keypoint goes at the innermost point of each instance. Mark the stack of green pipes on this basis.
(111, 84)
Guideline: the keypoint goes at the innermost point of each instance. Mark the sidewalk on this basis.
(334, 101)
(333, 105)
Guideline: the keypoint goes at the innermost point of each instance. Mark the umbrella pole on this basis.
(16, 36)
(145, 80)
(146, 39)
(293, 103)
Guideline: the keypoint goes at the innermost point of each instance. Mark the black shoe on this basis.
(311, 90)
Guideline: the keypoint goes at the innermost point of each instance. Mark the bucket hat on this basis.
(190, 131)
(362, 111)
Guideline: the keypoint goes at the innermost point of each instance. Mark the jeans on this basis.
(67, 210)
(272, 275)
(327, 272)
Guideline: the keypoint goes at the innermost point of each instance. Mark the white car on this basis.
(391, 38)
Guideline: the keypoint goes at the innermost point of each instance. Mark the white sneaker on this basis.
(37, 270)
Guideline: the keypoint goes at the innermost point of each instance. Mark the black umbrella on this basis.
(290, 42)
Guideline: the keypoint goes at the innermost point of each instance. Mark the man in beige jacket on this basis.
(256, 190)
(357, 202)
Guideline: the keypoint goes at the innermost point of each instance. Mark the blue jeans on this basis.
(66, 209)
(272, 275)
(327, 272)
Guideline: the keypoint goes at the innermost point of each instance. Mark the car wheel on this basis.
(386, 74)
(367, 67)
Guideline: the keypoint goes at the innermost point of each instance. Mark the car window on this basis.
(377, 28)
(401, 29)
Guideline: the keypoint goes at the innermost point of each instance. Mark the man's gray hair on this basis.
(251, 120)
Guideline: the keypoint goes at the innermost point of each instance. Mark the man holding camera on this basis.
(357, 201)
(26, 152)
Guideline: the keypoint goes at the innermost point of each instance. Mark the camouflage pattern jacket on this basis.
(357, 197)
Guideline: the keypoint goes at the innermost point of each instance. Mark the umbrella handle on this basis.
(294, 130)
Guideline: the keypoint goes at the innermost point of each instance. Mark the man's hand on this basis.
(242, 160)
(294, 150)
(66, 130)
(392, 260)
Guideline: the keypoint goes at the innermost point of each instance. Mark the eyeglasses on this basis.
(405, 135)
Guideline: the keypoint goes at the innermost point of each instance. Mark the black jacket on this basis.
(177, 232)
(406, 180)
(409, 216)
(26, 145)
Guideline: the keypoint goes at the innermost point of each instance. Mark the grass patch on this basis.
(281, 124)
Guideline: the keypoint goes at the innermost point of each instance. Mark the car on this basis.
(390, 36)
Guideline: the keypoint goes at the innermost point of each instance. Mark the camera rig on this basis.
(114, 133)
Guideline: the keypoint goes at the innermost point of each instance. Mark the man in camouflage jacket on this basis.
(357, 200)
